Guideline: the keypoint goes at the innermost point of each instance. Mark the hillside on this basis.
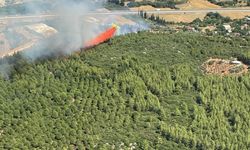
(186, 4)
(191, 5)
(198, 4)
(143, 91)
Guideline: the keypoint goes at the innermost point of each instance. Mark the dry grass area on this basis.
(198, 4)
(122, 21)
(147, 8)
(20, 48)
(191, 5)
(182, 17)
(237, 15)
(224, 67)
(189, 17)
(42, 29)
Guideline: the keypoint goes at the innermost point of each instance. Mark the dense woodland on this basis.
(143, 91)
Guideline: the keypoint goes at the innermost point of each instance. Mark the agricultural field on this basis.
(193, 5)
(141, 91)
(212, 24)
(197, 4)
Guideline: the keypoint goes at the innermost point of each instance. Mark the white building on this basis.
(228, 28)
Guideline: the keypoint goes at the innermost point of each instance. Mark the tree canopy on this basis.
(144, 91)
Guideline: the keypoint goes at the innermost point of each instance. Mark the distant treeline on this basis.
(230, 3)
(169, 4)
(156, 3)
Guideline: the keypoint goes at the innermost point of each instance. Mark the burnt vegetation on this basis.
(144, 91)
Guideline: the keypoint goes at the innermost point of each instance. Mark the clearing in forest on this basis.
(224, 67)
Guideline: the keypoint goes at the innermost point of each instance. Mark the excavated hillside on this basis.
(224, 67)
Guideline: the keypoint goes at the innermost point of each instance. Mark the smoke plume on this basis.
(72, 25)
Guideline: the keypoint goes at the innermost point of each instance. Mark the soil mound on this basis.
(224, 67)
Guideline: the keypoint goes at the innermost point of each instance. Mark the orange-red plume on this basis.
(108, 34)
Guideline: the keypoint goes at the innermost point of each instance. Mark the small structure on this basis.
(228, 28)
(244, 27)
(236, 62)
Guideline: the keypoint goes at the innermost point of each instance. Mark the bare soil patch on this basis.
(185, 17)
(191, 5)
(189, 17)
(224, 67)
(147, 8)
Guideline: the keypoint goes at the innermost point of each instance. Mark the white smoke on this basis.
(72, 25)
(73, 30)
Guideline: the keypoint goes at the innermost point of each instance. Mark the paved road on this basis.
(126, 12)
